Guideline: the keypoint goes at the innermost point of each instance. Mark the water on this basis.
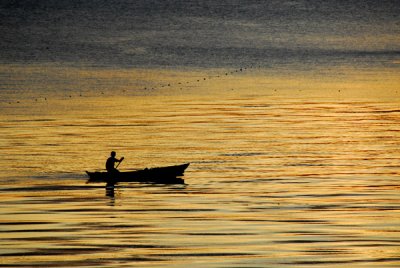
(288, 112)
(194, 34)
(274, 181)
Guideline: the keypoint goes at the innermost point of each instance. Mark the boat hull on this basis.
(159, 175)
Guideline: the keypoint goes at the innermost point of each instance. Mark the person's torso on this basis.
(110, 163)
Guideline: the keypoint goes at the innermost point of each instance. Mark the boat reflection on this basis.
(110, 191)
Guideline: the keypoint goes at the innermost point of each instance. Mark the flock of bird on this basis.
(181, 85)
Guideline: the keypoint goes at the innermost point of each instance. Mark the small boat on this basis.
(159, 175)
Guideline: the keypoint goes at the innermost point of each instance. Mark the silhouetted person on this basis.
(110, 166)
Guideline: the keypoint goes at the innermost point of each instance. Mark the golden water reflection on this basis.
(274, 181)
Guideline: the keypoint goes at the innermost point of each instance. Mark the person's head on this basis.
(113, 154)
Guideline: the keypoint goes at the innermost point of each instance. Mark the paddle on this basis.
(122, 158)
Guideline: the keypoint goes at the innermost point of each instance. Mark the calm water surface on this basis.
(278, 180)
(273, 182)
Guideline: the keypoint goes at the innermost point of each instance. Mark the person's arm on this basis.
(122, 158)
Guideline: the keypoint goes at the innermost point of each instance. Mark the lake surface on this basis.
(274, 181)
(287, 110)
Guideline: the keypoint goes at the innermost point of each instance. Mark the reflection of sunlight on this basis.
(286, 175)
(40, 83)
